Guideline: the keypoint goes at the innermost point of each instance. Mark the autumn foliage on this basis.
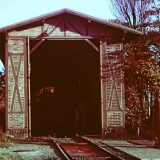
(141, 60)
(142, 76)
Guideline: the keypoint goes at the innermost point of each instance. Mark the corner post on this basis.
(103, 86)
(29, 90)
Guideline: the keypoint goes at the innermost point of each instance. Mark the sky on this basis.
(13, 11)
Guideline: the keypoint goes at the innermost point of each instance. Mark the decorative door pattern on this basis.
(114, 86)
(16, 88)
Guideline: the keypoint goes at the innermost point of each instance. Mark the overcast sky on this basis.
(13, 11)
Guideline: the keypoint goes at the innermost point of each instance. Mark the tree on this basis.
(132, 13)
(142, 75)
(153, 15)
(141, 58)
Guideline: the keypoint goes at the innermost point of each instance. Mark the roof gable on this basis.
(66, 25)
(55, 14)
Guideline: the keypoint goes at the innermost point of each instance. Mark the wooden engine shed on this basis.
(53, 67)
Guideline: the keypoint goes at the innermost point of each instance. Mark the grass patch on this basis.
(4, 141)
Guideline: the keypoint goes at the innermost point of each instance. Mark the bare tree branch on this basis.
(131, 12)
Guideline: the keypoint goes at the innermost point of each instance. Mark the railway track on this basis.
(114, 151)
(81, 148)
(78, 148)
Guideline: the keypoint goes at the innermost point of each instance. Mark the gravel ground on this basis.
(28, 152)
(148, 143)
(139, 150)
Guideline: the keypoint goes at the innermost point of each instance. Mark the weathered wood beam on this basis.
(103, 85)
(92, 44)
(42, 27)
(37, 45)
(87, 26)
(63, 38)
(65, 25)
(29, 88)
(55, 28)
(74, 28)
(42, 40)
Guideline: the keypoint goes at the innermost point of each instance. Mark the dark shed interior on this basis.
(65, 88)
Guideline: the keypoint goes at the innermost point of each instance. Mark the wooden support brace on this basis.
(42, 40)
(65, 26)
(37, 45)
(74, 28)
(55, 28)
(92, 44)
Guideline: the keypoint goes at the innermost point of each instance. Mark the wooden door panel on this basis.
(16, 86)
(115, 106)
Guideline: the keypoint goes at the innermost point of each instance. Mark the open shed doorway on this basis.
(65, 89)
